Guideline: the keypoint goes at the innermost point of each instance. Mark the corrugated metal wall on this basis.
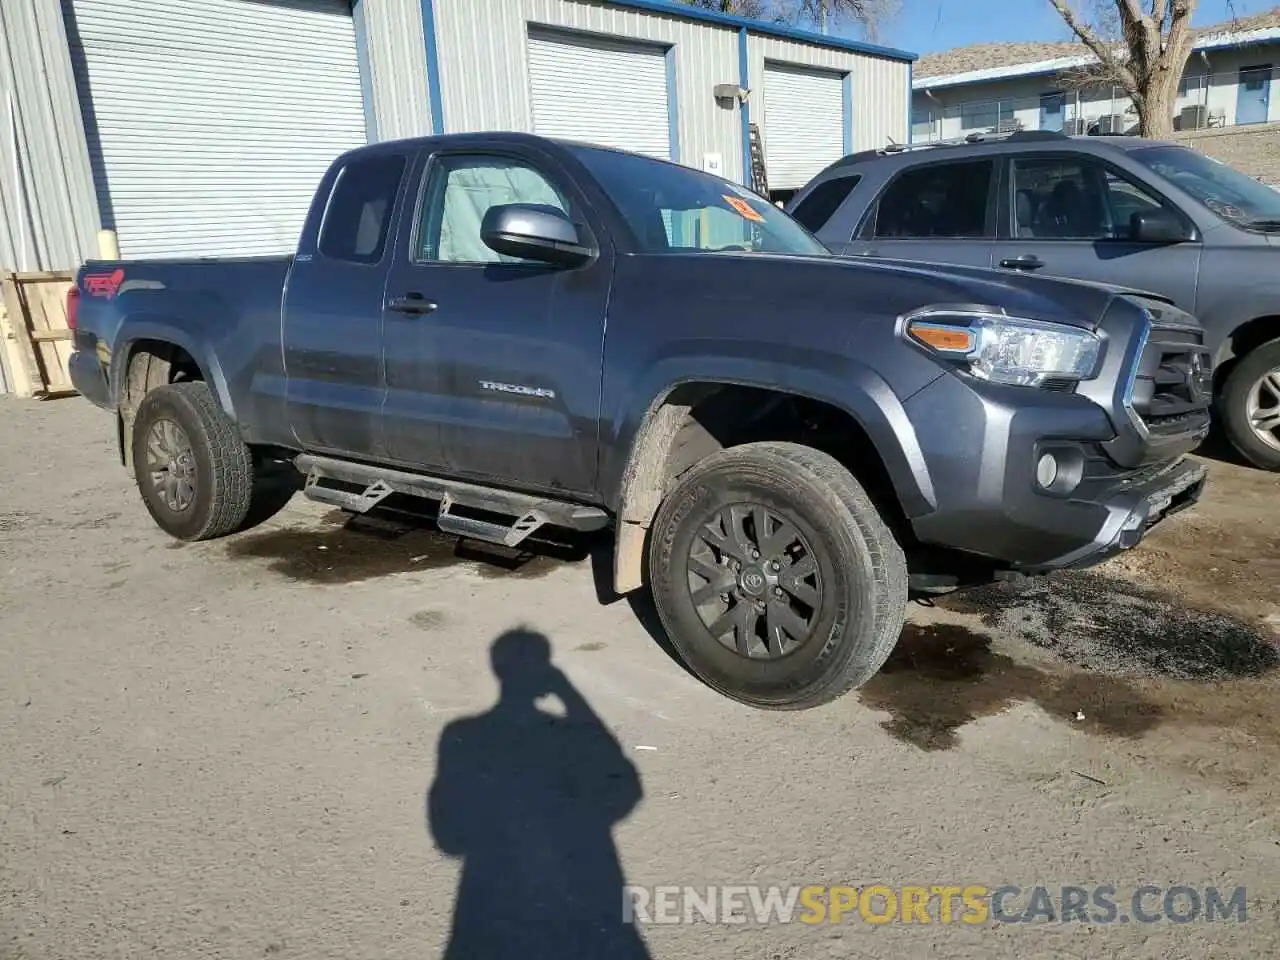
(398, 64)
(881, 102)
(484, 73)
(48, 214)
(880, 87)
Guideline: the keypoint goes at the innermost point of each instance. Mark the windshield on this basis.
(1226, 191)
(671, 208)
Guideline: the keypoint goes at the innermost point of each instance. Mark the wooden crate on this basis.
(34, 333)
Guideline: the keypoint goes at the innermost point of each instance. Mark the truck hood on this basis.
(898, 286)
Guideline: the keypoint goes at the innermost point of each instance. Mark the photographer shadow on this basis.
(527, 800)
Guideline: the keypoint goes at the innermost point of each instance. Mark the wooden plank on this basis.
(25, 350)
(38, 275)
(10, 378)
(45, 297)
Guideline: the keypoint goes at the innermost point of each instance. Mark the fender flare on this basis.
(150, 327)
(634, 486)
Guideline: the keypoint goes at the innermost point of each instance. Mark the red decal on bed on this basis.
(104, 284)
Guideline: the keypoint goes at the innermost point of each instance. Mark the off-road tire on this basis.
(1234, 400)
(865, 595)
(223, 465)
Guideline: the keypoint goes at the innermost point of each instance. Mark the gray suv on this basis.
(1120, 210)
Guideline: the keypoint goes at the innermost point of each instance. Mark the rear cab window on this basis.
(357, 218)
(951, 200)
(816, 210)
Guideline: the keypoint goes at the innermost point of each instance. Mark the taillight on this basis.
(73, 306)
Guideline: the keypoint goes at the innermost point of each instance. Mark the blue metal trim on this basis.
(366, 73)
(766, 28)
(846, 88)
(744, 108)
(433, 66)
(673, 105)
(911, 109)
(925, 83)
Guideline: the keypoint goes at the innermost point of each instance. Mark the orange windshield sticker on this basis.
(745, 209)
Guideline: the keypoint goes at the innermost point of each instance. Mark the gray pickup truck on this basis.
(1156, 216)
(535, 333)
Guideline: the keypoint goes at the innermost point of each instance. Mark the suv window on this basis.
(823, 201)
(1071, 198)
(939, 200)
(461, 191)
(357, 218)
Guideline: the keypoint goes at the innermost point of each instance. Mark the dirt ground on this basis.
(292, 743)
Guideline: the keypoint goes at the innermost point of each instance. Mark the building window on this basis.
(979, 116)
(921, 124)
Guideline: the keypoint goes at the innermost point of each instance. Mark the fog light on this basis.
(1047, 470)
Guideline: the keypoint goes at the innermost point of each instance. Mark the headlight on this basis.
(1006, 349)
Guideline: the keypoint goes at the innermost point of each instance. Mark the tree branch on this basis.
(1107, 58)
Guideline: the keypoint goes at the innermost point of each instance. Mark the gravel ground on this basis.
(288, 743)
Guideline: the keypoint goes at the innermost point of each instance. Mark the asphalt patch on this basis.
(941, 677)
(1111, 626)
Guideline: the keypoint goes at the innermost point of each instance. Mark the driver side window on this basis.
(707, 228)
(459, 194)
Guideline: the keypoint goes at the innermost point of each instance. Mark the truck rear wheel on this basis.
(193, 470)
(1250, 406)
(775, 577)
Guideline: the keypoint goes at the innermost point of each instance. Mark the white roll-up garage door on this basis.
(803, 124)
(601, 91)
(210, 122)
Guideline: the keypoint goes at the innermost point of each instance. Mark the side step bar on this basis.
(358, 488)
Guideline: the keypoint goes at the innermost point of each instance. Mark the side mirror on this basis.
(534, 231)
(1156, 226)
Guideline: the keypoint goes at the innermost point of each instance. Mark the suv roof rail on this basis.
(892, 149)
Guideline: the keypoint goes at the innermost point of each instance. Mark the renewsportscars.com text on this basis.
(940, 903)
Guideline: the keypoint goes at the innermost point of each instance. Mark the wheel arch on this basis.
(1243, 340)
(150, 355)
(695, 416)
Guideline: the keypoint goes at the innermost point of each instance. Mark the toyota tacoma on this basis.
(534, 333)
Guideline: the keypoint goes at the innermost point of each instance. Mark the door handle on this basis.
(1028, 261)
(413, 304)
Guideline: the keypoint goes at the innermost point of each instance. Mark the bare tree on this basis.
(743, 8)
(1142, 50)
(822, 15)
(870, 15)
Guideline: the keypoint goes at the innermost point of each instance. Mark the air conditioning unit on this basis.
(1111, 123)
(1076, 127)
(1193, 118)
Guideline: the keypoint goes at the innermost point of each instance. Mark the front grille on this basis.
(1174, 383)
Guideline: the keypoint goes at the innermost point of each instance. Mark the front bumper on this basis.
(1131, 513)
(1118, 445)
(981, 445)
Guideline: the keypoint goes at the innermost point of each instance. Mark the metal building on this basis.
(200, 127)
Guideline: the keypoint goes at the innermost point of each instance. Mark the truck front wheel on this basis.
(775, 577)
(193, 470)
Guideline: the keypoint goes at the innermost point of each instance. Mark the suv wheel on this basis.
(775, 577)
(193, 470)
(1250, 406)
